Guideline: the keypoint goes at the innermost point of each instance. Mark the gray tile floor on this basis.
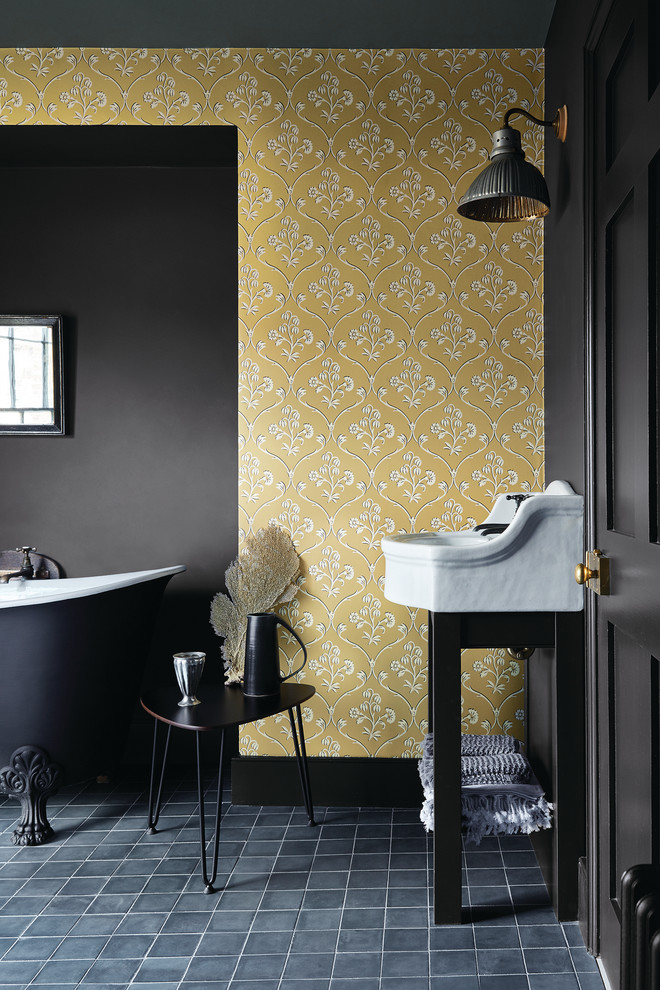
(343, 906)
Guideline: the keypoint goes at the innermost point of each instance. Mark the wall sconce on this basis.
(509, 188)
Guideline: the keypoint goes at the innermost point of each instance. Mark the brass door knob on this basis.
(595, 573)
(584, 573)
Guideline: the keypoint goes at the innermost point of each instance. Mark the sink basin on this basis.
(526, 568)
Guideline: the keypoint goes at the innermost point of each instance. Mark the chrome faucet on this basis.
(26, 569)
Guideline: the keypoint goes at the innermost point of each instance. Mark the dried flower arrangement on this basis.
(265, 574)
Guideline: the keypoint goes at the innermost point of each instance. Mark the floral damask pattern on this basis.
(391, 353)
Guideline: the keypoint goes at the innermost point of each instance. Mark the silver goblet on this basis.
(188, 668)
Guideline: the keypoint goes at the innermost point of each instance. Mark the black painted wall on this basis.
(141, 260)
(564, 247)
(289, 23)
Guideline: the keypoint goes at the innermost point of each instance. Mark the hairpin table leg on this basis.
(301, 757)
(154, 813)
(209, 881)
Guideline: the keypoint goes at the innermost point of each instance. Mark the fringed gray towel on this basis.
(500, 768)
(477, 745)
(480, 745)
(499, 793)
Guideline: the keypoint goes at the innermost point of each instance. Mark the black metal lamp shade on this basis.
(511, 189)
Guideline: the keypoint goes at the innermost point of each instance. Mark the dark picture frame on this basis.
(31, 376)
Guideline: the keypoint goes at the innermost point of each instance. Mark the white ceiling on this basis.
(276, 23)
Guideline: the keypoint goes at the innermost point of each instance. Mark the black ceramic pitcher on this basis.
(261, 677)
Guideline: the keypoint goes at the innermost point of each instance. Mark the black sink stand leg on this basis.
(445, 714)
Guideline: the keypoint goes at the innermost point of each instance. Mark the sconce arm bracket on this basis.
(559, 122)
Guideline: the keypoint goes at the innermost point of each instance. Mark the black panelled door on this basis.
(624, 175)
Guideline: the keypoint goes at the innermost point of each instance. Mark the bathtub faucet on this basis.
(26, 569)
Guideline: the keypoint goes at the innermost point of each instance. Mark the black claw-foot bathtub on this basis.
(72, 656)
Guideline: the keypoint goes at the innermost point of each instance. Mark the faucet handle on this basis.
(518, 498)
(27, 568)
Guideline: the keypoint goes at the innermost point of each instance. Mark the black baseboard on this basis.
(337, 782)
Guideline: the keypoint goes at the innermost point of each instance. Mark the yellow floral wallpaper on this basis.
(391, 353)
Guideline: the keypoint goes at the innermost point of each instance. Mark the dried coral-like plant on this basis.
(264, 575)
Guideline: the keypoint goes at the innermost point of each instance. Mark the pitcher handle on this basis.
(296, 636)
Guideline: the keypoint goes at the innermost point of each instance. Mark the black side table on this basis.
(220, 707)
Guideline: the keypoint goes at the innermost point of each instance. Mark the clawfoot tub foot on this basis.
(31, 777)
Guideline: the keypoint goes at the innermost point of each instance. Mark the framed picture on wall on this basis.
(31, 387)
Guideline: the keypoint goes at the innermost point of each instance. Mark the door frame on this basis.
(589, 911)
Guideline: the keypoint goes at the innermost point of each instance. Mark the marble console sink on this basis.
(526, 568)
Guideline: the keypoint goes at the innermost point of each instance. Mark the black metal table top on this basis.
(220, 705)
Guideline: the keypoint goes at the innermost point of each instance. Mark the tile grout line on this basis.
(302, 899)
(387, 896)
(79, 827)
(164, 849)
(123, 824)
(265, 888)
(150, 876)
(343, 905)
(229, 877)
(464, 860)
(515, 916)
(211, 913)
